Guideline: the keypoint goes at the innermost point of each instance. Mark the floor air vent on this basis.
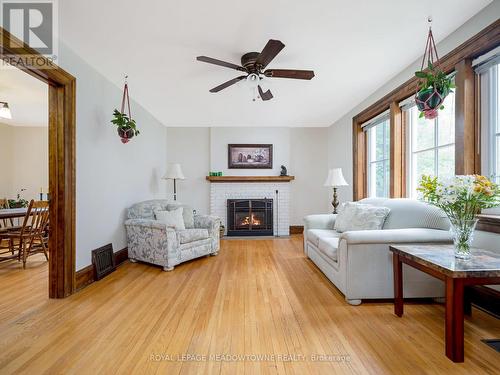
(103, 261)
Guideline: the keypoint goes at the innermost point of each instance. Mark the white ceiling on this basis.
(27, 96)
(353, 47)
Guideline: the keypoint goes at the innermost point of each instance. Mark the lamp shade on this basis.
(5, 111)
(335, 178)
(174, 172)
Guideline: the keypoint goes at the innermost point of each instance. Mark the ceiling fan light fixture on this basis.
(253, 80)
(5, 111)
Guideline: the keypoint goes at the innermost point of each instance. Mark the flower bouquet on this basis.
(461, 198)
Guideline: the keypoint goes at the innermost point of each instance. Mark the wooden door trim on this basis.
(62, 125)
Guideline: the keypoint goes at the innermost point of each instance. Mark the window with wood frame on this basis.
(430, 144)
(469, 149)
(378, 137)
(488, 70)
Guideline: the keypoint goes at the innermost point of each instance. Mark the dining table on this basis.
(12, 213)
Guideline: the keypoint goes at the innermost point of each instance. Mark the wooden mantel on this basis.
(250, 178)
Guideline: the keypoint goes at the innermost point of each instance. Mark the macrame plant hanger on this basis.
(430, 56)
(127, 134)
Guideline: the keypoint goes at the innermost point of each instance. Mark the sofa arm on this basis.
(407, 235)
(212, 223)
(322, 221)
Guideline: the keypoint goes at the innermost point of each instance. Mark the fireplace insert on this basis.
(249, 217)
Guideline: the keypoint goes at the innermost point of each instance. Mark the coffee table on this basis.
(483, 268)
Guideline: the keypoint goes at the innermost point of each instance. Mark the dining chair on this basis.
(32, 237)
(4, 223)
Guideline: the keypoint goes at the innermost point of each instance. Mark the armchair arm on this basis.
(407, 235)
(322, 221)
(146, 223)
(152, 241)
(212, 223)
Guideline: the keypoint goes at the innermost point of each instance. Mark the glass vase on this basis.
(462, 231)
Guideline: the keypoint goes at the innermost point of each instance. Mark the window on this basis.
(378, 158)
(431, 144)
(490, 122)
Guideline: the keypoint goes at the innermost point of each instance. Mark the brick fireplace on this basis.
(276, 191)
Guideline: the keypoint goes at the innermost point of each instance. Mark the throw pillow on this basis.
(357, 216)
(187, 213)
(173, 219)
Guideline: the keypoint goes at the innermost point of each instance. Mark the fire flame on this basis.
(248, 219)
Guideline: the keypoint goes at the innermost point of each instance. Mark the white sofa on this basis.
(359, 263)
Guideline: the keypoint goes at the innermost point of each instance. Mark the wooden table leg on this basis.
(398, 284)
(455, 319)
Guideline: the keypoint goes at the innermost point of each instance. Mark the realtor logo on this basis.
(32, 22)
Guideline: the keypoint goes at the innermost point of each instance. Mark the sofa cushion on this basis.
(357, 216)
(172, 219)
(191, 235)
(410, 213)
(329, 247)
(314, 235)
(187, 213)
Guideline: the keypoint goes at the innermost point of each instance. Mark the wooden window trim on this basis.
(62, 125)
(467, 124)
(488, 223)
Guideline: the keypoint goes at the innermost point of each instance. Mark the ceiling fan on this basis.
(253, 65)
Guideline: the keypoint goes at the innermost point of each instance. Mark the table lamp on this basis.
(335, 179)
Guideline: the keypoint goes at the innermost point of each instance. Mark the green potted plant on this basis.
(18, 202)
(127, 127)
(433, 88)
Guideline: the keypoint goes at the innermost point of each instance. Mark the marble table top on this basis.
(482, 263)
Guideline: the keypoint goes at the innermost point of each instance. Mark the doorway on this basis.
(61, 139)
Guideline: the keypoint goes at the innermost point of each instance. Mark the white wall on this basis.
(302, 150)
(340, 133)
(110, 176)
(24, 152)
(191, 148)
(309, 163)
(5, 156)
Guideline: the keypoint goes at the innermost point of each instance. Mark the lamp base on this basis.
(335, 202)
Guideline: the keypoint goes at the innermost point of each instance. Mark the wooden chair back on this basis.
(36, 219)
(4, 223)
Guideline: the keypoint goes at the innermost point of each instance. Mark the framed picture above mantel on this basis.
(250, 156)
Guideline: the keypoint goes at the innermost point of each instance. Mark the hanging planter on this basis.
(127, 127)
(434, 85)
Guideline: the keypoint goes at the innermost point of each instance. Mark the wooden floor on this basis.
(236, 313)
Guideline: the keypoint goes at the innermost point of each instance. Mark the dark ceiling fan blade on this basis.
(220, 63)
(227, 84)
(272, 48)
(289, 73)
(265, 95)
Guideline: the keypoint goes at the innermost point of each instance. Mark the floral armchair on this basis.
(153, 242)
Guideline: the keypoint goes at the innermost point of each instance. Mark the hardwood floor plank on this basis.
(241, 312)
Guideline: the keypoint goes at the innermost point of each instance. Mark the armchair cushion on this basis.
(172, 219)
(191, 235)
(187, 213)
